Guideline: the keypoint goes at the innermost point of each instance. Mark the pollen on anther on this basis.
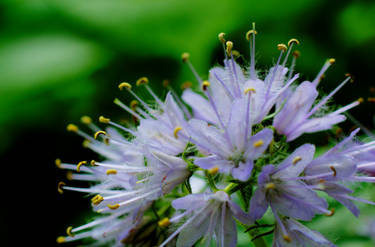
(282, 47)
(113, 207)
(164, 222)
(92, 162)
(72, 127)
(69, 231)
(60, 240)
(80, 164)
(186, 85)
(331, 213)
(214, 170)
(250, 32)
(96, 200)
(58, 163)
(258, 143)
(332, 60)
(86, 120)
(98, 133)
(296, 54)
(60, 187)
(111, 172)
(69, 175)
(176, 130)
(123, 85)
(229, 45)
(293, 41)
(205, 85)
(287, 238)
(103, 119)
(249, 89)
(296, 160)
(185, 57)
(142, 81)
(221, 37)
(360, 100)
(270, 186)
(133, 104)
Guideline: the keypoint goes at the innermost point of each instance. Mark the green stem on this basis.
(229, 188)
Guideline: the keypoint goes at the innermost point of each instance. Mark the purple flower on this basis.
(278, 188)
(291, 233)
(206, 215)
(233, 149)
(296, 116)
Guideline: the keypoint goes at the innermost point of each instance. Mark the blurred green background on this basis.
(61, 59)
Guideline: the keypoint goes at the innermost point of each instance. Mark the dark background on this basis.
(60, 60)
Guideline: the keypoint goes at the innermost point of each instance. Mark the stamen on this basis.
(351, 77)
(104, 120)
(258, 143)
(126, 85)
(249, 33)
(60, 187)
(205, 85)
(80, 164)
(72, 128)
(142, 81)
(113, 207)
(229, 48)
(282, 47)
(331, 213)
(214, 170)
(92, 162)
(221, 37)
(69, 175)
(164, 222)
(326, 65)
(249, 89)
(98, 133)
(69, 231)
(185, 57)
(334, 170)
(270, 186)
(60, 240)
(96, 200)
(126, 108)
(111, 172)
(186, 85)
(176, 130)
(296, 160)
(133, 104)
(252, 32)
(287, 238)
(58, 163)
(86, 120)
(293, 41)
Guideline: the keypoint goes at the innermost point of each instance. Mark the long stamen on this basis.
(127, 86)
(108, 121)
(230, 95)
(282, 49)
(290, 45)
(185, 58)
(295, 55)
(251, 40)
(126, 108)
(326, 65)
(323, 101)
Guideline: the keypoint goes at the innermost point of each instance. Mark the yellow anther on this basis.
(250, 32)
(176, 130)
(123, 85)
(296, 160)
(69, 175)
(72, 127)
(332, 60)
(332, 212)
(205, 85)
(113, 207)
(229, 45)
(86, 120)
(258, 143)
(371, 99)
(351, 77)
(213, 170)
(69, 231)
(185, 57)
(221, 37)
(270, 186)
(164, 222)
(250, 89)
(98, 133)
(58, 163)
(96, 200)
(287, 238)
(282, 47)
(60, 240)
(106, 141)
(235, 53)
(141, 81)
(133, 104)
(360, 100)
(104, 120)
(86, 143)
(81, 164)
(92, 162)
(296, 54)
(111, 172)
(334, 170)
(293, 41)
(60, 187)
(186, 85)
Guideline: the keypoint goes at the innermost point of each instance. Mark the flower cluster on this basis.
(176, 175)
